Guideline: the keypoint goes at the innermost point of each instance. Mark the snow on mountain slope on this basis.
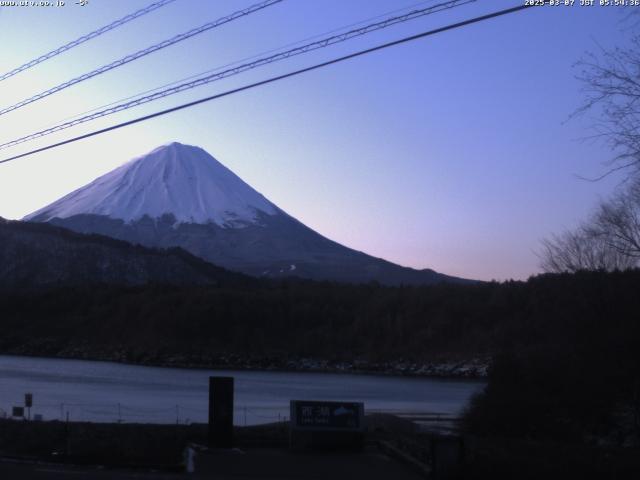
(180, 196)
(176, 179)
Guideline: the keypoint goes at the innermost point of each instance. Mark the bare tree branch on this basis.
(611, 85)
(609, 240)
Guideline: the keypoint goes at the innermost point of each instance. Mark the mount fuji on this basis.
(180, 196)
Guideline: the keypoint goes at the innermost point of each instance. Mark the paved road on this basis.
(258, 464)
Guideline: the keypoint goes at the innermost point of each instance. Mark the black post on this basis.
(28, 402)
(221, 412)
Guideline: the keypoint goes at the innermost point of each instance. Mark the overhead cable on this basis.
(85, 38)
(141, 53)
(242, 68)
(272, 79)
(237, 62)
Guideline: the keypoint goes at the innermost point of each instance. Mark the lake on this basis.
(112, 392)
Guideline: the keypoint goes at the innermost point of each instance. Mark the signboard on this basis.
(327, 416)
(17, 412)
(28, 400)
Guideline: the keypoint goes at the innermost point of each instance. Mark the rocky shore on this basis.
(476, 367)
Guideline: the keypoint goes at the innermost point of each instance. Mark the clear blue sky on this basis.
(452, 152)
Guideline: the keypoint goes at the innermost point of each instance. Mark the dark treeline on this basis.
(591, 312)
(566, 347)
(289, 318)
(572, 371)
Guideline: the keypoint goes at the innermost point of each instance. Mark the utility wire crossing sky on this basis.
(325, 42)
(141, 53)
(85, 38)
(274, 79)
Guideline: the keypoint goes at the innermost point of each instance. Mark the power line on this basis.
(141, 53)
(274, 79)
(85, 38)
(242, 60)
(243, 68)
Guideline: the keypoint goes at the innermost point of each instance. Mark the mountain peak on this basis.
(175, 146)
(174, 179)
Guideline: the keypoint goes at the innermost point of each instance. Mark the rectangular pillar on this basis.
(221, 412)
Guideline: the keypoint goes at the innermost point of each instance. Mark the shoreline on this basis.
(474, 369)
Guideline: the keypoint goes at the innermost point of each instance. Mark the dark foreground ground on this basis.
(247, 464)
(11, 470)
(56, 450)
(395, 449)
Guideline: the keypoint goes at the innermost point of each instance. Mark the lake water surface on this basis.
(109, 392)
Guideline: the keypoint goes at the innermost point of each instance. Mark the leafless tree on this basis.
(610, 239)
(611, 84)
(581, 249)
(618, 221)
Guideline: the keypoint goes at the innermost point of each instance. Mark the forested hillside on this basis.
(593, 314)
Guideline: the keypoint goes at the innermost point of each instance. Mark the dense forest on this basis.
(566, 362)
(593, 312)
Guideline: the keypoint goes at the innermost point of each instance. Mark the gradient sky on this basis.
(452, 152)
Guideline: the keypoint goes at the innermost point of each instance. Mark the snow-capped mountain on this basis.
(174, 179)
(179, 195)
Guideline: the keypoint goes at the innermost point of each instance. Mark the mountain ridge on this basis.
(179, 195)
(41, 255)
